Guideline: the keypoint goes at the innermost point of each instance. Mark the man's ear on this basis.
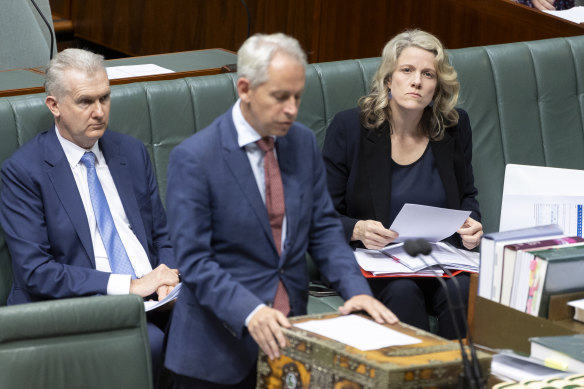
(52, 104)
(244, 89)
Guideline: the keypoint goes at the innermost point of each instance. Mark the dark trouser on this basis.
(157, 323)
(183, 382)
(412, 299)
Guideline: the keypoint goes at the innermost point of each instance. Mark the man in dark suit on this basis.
(242, 214)
(80, 205)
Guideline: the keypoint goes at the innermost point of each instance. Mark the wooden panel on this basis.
(327, 29)
(142, 27)
(61, 8)
(497, 326)
(458, 23)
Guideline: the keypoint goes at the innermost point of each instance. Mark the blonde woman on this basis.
(405, 143)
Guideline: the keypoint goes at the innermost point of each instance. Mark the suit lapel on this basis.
(236, 159)
(120, 172)
(443, 152)
(377, 167)
(59, 172)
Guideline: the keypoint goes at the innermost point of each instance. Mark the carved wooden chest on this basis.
(312, 361)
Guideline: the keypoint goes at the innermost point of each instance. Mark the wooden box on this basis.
(312, 361)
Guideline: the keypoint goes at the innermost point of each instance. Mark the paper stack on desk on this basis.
(394, 261)
(429, 223)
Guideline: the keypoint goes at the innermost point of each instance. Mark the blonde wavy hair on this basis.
(375, 108)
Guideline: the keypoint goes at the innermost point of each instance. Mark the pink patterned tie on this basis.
(276, 211)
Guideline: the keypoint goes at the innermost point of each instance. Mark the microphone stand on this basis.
(471, 376)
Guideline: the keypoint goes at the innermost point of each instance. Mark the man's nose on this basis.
(291, 106)
(98, 109)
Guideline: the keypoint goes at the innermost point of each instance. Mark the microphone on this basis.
(48, 26)
(471, 376)
(416, 247)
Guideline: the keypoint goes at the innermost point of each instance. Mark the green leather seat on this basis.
(87, 342)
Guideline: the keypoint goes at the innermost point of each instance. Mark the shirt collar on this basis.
(246, 135)
(74, 152)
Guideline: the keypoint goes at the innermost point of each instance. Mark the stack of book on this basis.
(523, 268)
(560, 352)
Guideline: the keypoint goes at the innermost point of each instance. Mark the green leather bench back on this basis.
(89, 342)
(525, 101)
(526, 106)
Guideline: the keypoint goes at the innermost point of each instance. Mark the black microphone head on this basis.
(424, 247)
(412, 247)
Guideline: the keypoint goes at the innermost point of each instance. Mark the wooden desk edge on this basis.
(129, 80)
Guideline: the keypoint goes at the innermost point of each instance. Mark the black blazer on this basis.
(358, 163)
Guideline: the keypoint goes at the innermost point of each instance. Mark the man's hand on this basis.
(373, 307)
(373, 234)
(164, 291)
(264, 327)
(152, 281)
(471, 233)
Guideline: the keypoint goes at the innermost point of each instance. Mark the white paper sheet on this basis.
(150, 305)
(429, 223)
(358, 332)
(574, 14)
(535, 195)
(577, 303)
(114, 72)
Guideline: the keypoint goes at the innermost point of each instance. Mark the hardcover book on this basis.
(564, 352)
(554, 271)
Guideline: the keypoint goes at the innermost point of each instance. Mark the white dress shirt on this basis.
(246, 138)
(118, 283)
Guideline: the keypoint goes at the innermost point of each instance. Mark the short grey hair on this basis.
(256, 53)
(77, 59)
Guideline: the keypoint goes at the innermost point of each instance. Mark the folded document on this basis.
(150, 305)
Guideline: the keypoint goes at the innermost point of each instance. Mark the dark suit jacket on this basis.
(46, 226)
(225, 249)
(358, 164)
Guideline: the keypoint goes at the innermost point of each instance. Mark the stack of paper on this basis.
(395, 261)
(420, 222)
(578, 309)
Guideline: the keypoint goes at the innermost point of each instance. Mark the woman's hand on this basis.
(471, 233)
(373, 234)
(544, 5)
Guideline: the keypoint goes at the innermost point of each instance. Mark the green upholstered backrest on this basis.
(526, 106)
(87, 342)
(525, 101)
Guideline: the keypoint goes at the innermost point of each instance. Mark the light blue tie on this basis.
(118, 258)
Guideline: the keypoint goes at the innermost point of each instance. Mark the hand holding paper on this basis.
(430, 223)
(471, 233)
